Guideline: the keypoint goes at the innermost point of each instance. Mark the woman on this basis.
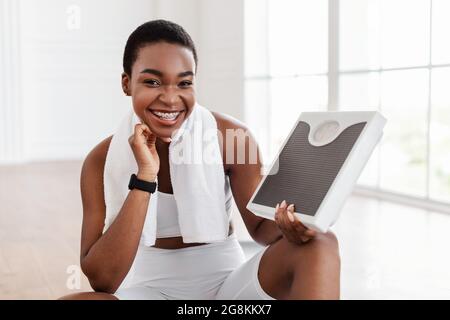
(160, 63)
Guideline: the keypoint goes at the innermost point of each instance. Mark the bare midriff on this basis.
(177, 242)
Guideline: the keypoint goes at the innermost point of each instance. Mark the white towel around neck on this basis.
(200, 187)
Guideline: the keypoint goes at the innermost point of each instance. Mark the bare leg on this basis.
(307, 271)
(89, 296)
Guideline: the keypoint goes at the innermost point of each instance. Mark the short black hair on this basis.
(152, 32)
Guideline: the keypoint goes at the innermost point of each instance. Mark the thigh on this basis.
(139, 293)
(243, 283)
(290, 271)
(275, 269)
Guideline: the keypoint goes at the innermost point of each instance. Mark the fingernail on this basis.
(290, 207)
(276, 208)
(290, 216)
(283, 204)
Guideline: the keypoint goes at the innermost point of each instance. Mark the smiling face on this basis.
(162, 86)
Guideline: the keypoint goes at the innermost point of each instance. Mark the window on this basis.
(387, 55)
(286, 66)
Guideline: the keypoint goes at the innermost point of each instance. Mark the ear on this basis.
(126, 84)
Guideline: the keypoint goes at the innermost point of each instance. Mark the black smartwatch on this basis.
(143, 185)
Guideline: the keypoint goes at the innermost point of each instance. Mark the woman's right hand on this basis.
(142, 143)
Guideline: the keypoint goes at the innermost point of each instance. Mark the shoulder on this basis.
(97, 156)
(236, 140)
(93, 167)
(225, 121)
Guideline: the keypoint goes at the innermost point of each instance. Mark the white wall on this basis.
(60, 90)
(10, 95)
(222, 53)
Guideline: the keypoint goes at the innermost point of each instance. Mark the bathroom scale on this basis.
(318, 165)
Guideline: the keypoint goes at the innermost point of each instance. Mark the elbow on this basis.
(103, 284)
(259, 238)
(264, 240)
(256, 236)
(99, 286)
(99, 280)
(266, 233)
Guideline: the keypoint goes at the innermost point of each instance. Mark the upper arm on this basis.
(244, 163)
(92, 196)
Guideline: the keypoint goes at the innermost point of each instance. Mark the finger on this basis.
(298, 225)
(310, 233)
(151, 137)
(138, 129)
(289, 216)
(277, 214)
(285, 219)
(286, 225)
(141, 128)
(142, 131)
(287, 234)
(299, 229)
(279, 218)
(146, 128)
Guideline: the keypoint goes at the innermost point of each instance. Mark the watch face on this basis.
(131, 183)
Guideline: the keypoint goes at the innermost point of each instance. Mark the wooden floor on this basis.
(39, 229)
(388, 251)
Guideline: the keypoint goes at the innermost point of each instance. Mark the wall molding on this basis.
(11, 139)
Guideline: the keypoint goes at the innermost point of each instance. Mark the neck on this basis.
(161, 145)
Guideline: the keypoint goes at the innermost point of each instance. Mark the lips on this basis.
(164, 117)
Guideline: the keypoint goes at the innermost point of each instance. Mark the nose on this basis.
(169, 95)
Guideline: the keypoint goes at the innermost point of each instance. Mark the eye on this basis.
(185, 83)
(152, 82)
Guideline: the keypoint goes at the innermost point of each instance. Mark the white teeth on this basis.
(166, 115)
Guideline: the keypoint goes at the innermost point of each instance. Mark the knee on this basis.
(326, 246)
(328, 240)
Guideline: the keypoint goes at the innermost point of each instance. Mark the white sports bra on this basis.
(167, 225)
(167, 216)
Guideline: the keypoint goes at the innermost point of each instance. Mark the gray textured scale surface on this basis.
(306, 172)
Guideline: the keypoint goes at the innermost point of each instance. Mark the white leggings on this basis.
(216, 270)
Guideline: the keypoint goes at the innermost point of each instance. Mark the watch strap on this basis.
(135, 183)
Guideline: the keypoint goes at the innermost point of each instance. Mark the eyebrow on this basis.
(160, 74)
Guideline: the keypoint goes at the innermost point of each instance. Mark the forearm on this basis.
(110, 258)
(267, 232)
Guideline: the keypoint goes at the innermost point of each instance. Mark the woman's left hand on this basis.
(291, 227)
